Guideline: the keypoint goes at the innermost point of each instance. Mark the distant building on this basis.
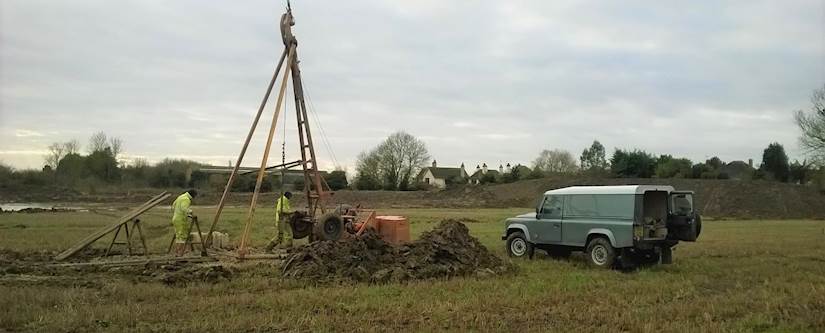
(738, 170)
(482, 171)
(438, 177)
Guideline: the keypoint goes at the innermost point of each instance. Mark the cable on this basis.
(324, 138)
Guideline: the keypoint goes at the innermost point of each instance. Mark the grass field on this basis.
(742, 276)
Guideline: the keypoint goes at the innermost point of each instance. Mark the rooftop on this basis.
(619, 189)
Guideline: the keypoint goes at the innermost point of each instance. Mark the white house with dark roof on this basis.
(438, 177)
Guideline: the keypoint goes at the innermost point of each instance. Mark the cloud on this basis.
(22, 133)
(492, 81)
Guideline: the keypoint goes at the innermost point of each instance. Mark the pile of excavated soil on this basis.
(446, 251)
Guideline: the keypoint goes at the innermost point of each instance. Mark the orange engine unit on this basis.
(393, 229)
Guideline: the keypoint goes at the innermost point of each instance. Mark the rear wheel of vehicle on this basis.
(518, 246)
(600, 253)
(329, 227)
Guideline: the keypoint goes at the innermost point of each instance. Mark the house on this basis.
(482, 172)
(438, 177)
(738, 170)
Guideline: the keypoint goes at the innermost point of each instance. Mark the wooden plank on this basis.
(135, 262)
(243, 150)
(103, 231)
(251, 213)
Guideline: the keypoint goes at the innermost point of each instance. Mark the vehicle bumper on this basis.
(653, 243)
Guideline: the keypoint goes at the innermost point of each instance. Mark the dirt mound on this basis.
(446, 251)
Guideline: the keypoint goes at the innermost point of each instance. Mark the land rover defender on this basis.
(627, 225)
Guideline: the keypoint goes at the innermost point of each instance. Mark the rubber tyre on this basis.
(519, 247)
(600, 253)
(329, 227)
(300, 228)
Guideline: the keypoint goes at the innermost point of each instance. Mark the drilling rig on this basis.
(313, 222)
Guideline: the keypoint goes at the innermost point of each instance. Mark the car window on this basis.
(600, 205)
(552, 207)
(682, 204)
(582, 205)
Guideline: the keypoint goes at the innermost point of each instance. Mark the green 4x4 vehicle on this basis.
(631, 224)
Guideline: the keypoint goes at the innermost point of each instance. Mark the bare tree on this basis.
(72, 146)
(812, 125)
(56, 153)
(401, 155)
(368, 173)
(555, 161)
(116, 144)
(392, 164)
(98, 142)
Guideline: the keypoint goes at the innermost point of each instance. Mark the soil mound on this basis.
(446, 251)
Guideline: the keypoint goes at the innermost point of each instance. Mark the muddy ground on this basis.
(444, 252)
(38, 268)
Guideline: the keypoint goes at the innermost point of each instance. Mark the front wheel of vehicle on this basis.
(518, 246)
(600, 253)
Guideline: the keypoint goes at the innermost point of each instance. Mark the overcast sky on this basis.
(478, 81)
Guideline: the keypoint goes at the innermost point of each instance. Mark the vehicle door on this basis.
(548, 220)
(683, 221)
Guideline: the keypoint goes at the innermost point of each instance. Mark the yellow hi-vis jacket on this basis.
(180, 210)
(282, 205)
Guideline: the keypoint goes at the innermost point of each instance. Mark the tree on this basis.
(368, 174)
(632, 164)
(392, 164)
(593, 158)
(102, 164)
(336, 180)
(71, 168)
(56, 152)
(116, 145)
(812, 126)
(775, 162)
(669, 167)
(401, 155)
(59, 150)
(715, 163)
(72, 146)
(799, 172)
(555, 161)
(98, 142)
(516, 173)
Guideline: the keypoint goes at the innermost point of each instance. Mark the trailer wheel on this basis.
(600, 253)
(518, 246)
(329, 227)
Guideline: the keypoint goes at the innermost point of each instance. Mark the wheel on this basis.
(329, 227)
(301, 228)
(518, 246)
(600, 253)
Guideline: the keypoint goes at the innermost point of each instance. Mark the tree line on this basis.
(66, 166)
(394, 164)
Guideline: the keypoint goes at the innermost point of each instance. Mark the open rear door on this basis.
(684, 223)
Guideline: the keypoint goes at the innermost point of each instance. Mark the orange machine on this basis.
(393, 229)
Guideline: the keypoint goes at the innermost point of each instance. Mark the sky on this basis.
(478, 81)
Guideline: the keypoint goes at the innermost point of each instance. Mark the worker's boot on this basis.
(286, 244)
(275, 242)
